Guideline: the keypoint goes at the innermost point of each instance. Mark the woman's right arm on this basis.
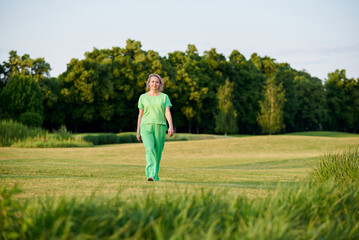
(140, 114)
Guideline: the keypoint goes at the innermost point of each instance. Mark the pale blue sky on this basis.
(319, 36)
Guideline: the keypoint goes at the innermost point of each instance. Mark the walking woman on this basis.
(154, 109)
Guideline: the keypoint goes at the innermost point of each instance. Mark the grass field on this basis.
(236, 187)
(247, 166)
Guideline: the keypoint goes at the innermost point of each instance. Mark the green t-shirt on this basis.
(154, 108)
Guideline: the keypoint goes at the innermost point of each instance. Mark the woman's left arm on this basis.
(169, 120)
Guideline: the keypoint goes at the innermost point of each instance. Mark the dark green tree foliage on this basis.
(21, 94)
(342, 97)
(27, 73)
(226, 116)
(54, 106)
(286, 75)
(193, 92)
(31, 119)
(270, 117)
(248, 84)
(100, 92)
(310, 96)
(215, 72)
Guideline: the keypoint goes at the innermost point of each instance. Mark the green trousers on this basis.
(153, 138)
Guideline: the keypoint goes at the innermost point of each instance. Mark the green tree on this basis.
(342, 97)
(76, 90)
(21, 94)
(248, 84)
(286, 75)
(214, 73)
(38, 68)
(270, 117)
(131, 67)
(54, 105)
(266, 65)
(35, 69)
(305, 106)
(311, 106)
(226, 116)
(191, 87)
(102, 90)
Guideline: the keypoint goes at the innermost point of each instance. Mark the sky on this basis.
(318, 36)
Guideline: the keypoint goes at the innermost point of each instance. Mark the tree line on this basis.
(210, 93)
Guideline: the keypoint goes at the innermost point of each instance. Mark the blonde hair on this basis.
(162, 84)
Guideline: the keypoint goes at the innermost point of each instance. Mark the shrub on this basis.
(100, 139)
(341, 167)
(176, 137)
(110, 138)
(31, 119)
(127, 137)
(91, 139)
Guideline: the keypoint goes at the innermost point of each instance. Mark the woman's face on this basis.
(154, 83)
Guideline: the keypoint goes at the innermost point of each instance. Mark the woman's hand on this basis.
(169, 120)
(138, 136)
(170, 131)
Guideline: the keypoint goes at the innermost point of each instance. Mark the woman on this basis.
(154, 109)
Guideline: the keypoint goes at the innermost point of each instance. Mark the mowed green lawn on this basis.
(248, 165)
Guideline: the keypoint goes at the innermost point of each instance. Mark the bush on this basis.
(11, 132)
(100, 139)
(31, 119)
(176, 137)
(341, 167)
(110, 138)
(127, 137)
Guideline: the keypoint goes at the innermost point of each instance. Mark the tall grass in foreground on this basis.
(341, 167)
(311, 211)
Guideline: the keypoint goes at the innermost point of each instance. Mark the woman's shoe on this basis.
(150, 179)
